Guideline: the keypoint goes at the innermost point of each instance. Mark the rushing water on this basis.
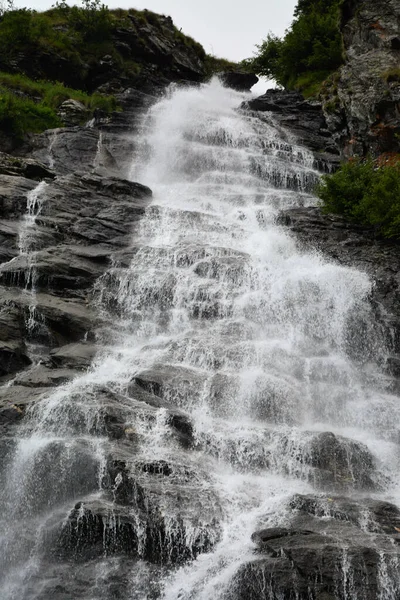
(262, 345)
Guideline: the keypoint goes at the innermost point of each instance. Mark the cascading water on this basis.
(232, 362)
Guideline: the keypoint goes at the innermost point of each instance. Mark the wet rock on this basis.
(56, 270)
(10, 414)
(9, 237)
(341, 462)
(369, 514)
(67, 150)
(73, 356)
(151, 516)
(13, 192)
(180, 385)
(176, 418)
(242, 82)
(67, 320)
(19, 395)
(357, 246)
(13, 357)
(43, 377)
(302, 117)
(315, 557)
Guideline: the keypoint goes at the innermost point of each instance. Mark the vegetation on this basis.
(366, 193)
(214, 65)
(31, 106)
(392, 75)
(46, 58)
(308, 53)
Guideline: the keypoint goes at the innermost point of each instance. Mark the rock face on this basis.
(355, 246)
(304, 119)
(362, 100)
(304, 561)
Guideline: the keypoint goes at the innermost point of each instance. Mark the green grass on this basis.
(310, 84)
(214, 65)
(21, 115)
(31, 106)
(365, 193)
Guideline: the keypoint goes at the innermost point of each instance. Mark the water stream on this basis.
(256, 346)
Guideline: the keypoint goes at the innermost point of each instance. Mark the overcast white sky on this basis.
(226, 28)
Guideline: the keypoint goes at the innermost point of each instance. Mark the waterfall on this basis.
(231, 376)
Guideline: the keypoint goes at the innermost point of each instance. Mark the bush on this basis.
(365, 193)
(92, 20)
(310, 49)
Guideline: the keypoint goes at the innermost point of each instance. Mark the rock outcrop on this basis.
(304, 561)
(362, 100)
(356, 246)
(237, 80)
(305, 121)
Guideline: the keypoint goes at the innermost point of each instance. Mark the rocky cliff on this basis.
(361, 101)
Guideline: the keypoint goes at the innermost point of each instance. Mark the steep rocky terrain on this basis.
(69, 212)
(362, 100)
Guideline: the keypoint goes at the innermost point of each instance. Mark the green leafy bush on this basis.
(365, 193)
(310, 50)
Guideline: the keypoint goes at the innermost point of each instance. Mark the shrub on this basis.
(365, 193)
(92, 20)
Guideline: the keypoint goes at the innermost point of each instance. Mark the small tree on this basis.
(92, 20)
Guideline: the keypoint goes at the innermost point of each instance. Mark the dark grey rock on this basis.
(340, 462)
(356, 246)
(73, 356)
(24, 167)
(242, 82)
(303, 118)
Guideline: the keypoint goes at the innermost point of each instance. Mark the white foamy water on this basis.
(230, 322)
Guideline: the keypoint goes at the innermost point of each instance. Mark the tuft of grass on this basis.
(214, 65)
(391, 75)
(310, 84)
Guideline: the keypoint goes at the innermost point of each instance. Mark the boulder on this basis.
(340, 462)
(239, 81)
(72, 112)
